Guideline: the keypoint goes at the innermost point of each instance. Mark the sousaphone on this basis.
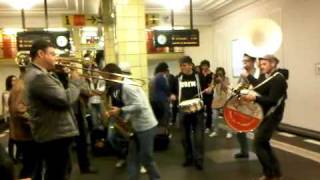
(259, 37)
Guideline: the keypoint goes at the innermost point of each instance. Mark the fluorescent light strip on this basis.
(312, 141)
(287, 134)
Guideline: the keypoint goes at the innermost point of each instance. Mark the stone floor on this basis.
(219, 161)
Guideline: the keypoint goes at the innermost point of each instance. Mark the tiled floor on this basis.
(219, 162)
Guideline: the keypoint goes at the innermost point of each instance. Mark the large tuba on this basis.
(259, 37)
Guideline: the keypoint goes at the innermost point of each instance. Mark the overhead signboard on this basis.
(60, 40)
(176, 38)
(81, 20)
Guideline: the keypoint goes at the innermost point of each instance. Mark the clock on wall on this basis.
(61, 41)
(162, 38)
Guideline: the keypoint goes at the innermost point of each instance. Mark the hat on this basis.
(270, 58)
(125, 67)
(248, 57)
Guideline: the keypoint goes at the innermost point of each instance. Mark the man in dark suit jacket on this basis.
(50, 107)
(272, 95)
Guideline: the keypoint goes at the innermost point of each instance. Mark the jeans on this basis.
(207, 99)
(215, 120)
(243, 141)
(96, 118)
(117, 141)
(141, 153)
(192, 127)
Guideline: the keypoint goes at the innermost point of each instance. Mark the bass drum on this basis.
(242, 116)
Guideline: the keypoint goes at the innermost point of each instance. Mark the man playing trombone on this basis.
(50, 107)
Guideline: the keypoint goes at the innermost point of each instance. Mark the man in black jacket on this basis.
(272, 95)
(188, 86)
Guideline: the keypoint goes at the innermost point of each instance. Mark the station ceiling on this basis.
(92, 6)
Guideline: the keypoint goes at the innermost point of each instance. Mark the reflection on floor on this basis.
(219, 164)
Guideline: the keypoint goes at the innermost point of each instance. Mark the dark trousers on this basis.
(243, 142)
(141, 153)
(267, 158)
(207, 100)
(192, 126)
(161, 110)
(55, 155)
(81, 144)
(174, 111)
(11, 144)
(29, 158)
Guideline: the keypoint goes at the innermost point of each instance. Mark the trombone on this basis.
(67, 63)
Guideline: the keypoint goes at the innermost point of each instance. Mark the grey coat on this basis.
(50, 105)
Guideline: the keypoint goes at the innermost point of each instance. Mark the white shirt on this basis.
(100, 86)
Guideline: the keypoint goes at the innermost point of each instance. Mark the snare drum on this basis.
(191, 105)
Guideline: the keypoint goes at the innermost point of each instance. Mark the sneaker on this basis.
(120, 163)
(143, 170)
(229, 135)
(199, 166)
(207, 130)
(187, 163)
(89, 170)
(213, 134)
(241, 155)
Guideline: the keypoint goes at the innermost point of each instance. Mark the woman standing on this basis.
(10, 80)
(221, 92)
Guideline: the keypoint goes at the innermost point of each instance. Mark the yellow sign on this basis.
(81, 20)
(152, 20)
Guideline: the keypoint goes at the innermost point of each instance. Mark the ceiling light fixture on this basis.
(23, 4)
(175, 5)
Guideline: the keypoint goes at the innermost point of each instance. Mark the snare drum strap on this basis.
(198, 86)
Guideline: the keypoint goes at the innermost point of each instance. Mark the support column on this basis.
(109, 32)
(130, 42)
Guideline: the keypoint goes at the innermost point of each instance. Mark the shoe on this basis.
(229, 135)
(187, 164)
(241, 155)
(266, 178)
(89, 170)
(120, 163)
(213, 134)
(207, 130)
(278, 178)
(143, 170)
(199, 166)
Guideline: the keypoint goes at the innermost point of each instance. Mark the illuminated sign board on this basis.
(60, 40)
(178, 38)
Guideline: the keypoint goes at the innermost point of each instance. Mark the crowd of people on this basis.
(51, 110)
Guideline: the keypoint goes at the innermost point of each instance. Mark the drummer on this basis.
(189, 87)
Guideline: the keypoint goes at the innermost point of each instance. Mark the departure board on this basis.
(60, 40)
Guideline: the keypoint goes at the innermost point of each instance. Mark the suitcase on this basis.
(162, 138)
